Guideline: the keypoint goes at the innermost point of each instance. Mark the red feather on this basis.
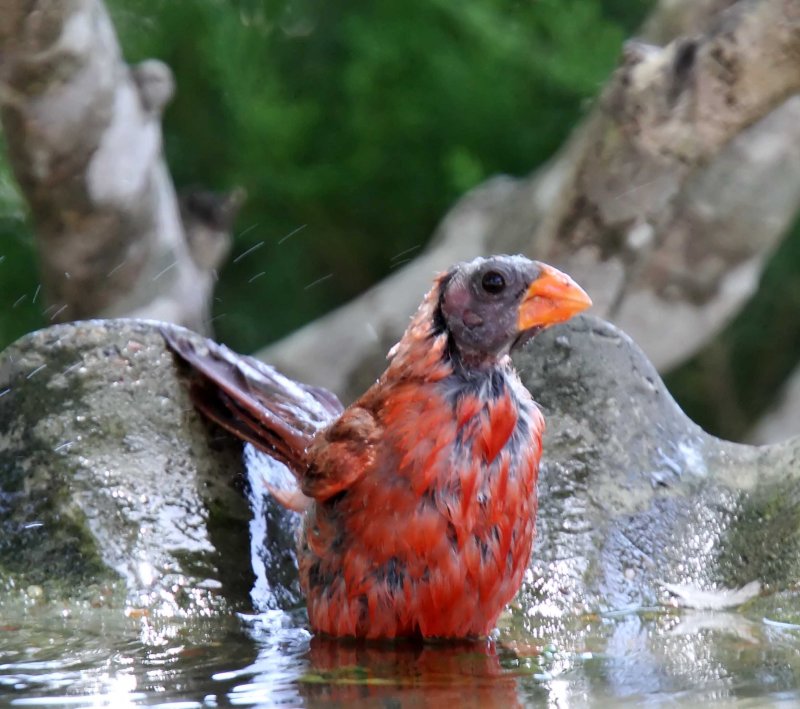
(496, 431)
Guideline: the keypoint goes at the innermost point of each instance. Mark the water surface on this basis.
(53, 655)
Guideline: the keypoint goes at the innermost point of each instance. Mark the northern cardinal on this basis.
(420, 497)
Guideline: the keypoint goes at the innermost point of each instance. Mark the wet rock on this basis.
(635, 499)
(111, 487)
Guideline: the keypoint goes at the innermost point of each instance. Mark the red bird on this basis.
(420, 497)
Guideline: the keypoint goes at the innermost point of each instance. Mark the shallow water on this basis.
(84, 656)
(92, 653)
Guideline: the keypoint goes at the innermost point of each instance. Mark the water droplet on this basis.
(291, 234)
(405, 252)
(35, 371)
(58, 312)
(318, 281)
(246, 231)
(116, 268)
(164, 270)
(248, 252)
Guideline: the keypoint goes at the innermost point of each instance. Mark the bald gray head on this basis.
(489, 305)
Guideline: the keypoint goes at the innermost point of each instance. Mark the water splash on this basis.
(273, 560)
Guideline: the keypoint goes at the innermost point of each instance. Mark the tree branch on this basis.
(663, 204)
(84, 140)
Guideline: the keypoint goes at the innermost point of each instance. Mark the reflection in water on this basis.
(296, 669)
(96, 657)
(408, 674)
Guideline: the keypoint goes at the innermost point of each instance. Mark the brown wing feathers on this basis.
(254, 401)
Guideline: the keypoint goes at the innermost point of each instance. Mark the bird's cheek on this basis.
(471, 319)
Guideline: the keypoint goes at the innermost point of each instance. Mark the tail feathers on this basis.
(253, 400)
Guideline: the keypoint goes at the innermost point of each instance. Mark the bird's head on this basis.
(491, 305)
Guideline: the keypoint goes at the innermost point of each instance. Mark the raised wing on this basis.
(253, 400)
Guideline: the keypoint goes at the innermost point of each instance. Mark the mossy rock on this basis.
(107, 474)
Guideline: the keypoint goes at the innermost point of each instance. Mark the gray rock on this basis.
(111, 487)
(638, 505)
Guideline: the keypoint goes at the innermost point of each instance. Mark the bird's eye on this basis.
(493, 282)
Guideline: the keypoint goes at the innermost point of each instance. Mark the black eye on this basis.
(493, 282)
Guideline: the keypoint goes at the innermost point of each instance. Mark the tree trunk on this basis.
(84, 140)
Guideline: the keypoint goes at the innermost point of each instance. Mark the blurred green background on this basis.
(354, 126)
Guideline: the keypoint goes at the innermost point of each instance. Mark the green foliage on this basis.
(363, 121)
(19, 312)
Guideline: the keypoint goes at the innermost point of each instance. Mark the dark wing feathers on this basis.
(253, 400)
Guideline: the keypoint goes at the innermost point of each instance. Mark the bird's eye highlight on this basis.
(493, 282)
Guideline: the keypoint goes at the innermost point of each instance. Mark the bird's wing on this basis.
(342, 454)
(253, 400)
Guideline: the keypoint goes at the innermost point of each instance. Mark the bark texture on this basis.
(84, 139)
(664, 203)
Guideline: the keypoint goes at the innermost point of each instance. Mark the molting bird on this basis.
(419, 498)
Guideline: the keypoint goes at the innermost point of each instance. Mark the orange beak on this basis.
(552, 298)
